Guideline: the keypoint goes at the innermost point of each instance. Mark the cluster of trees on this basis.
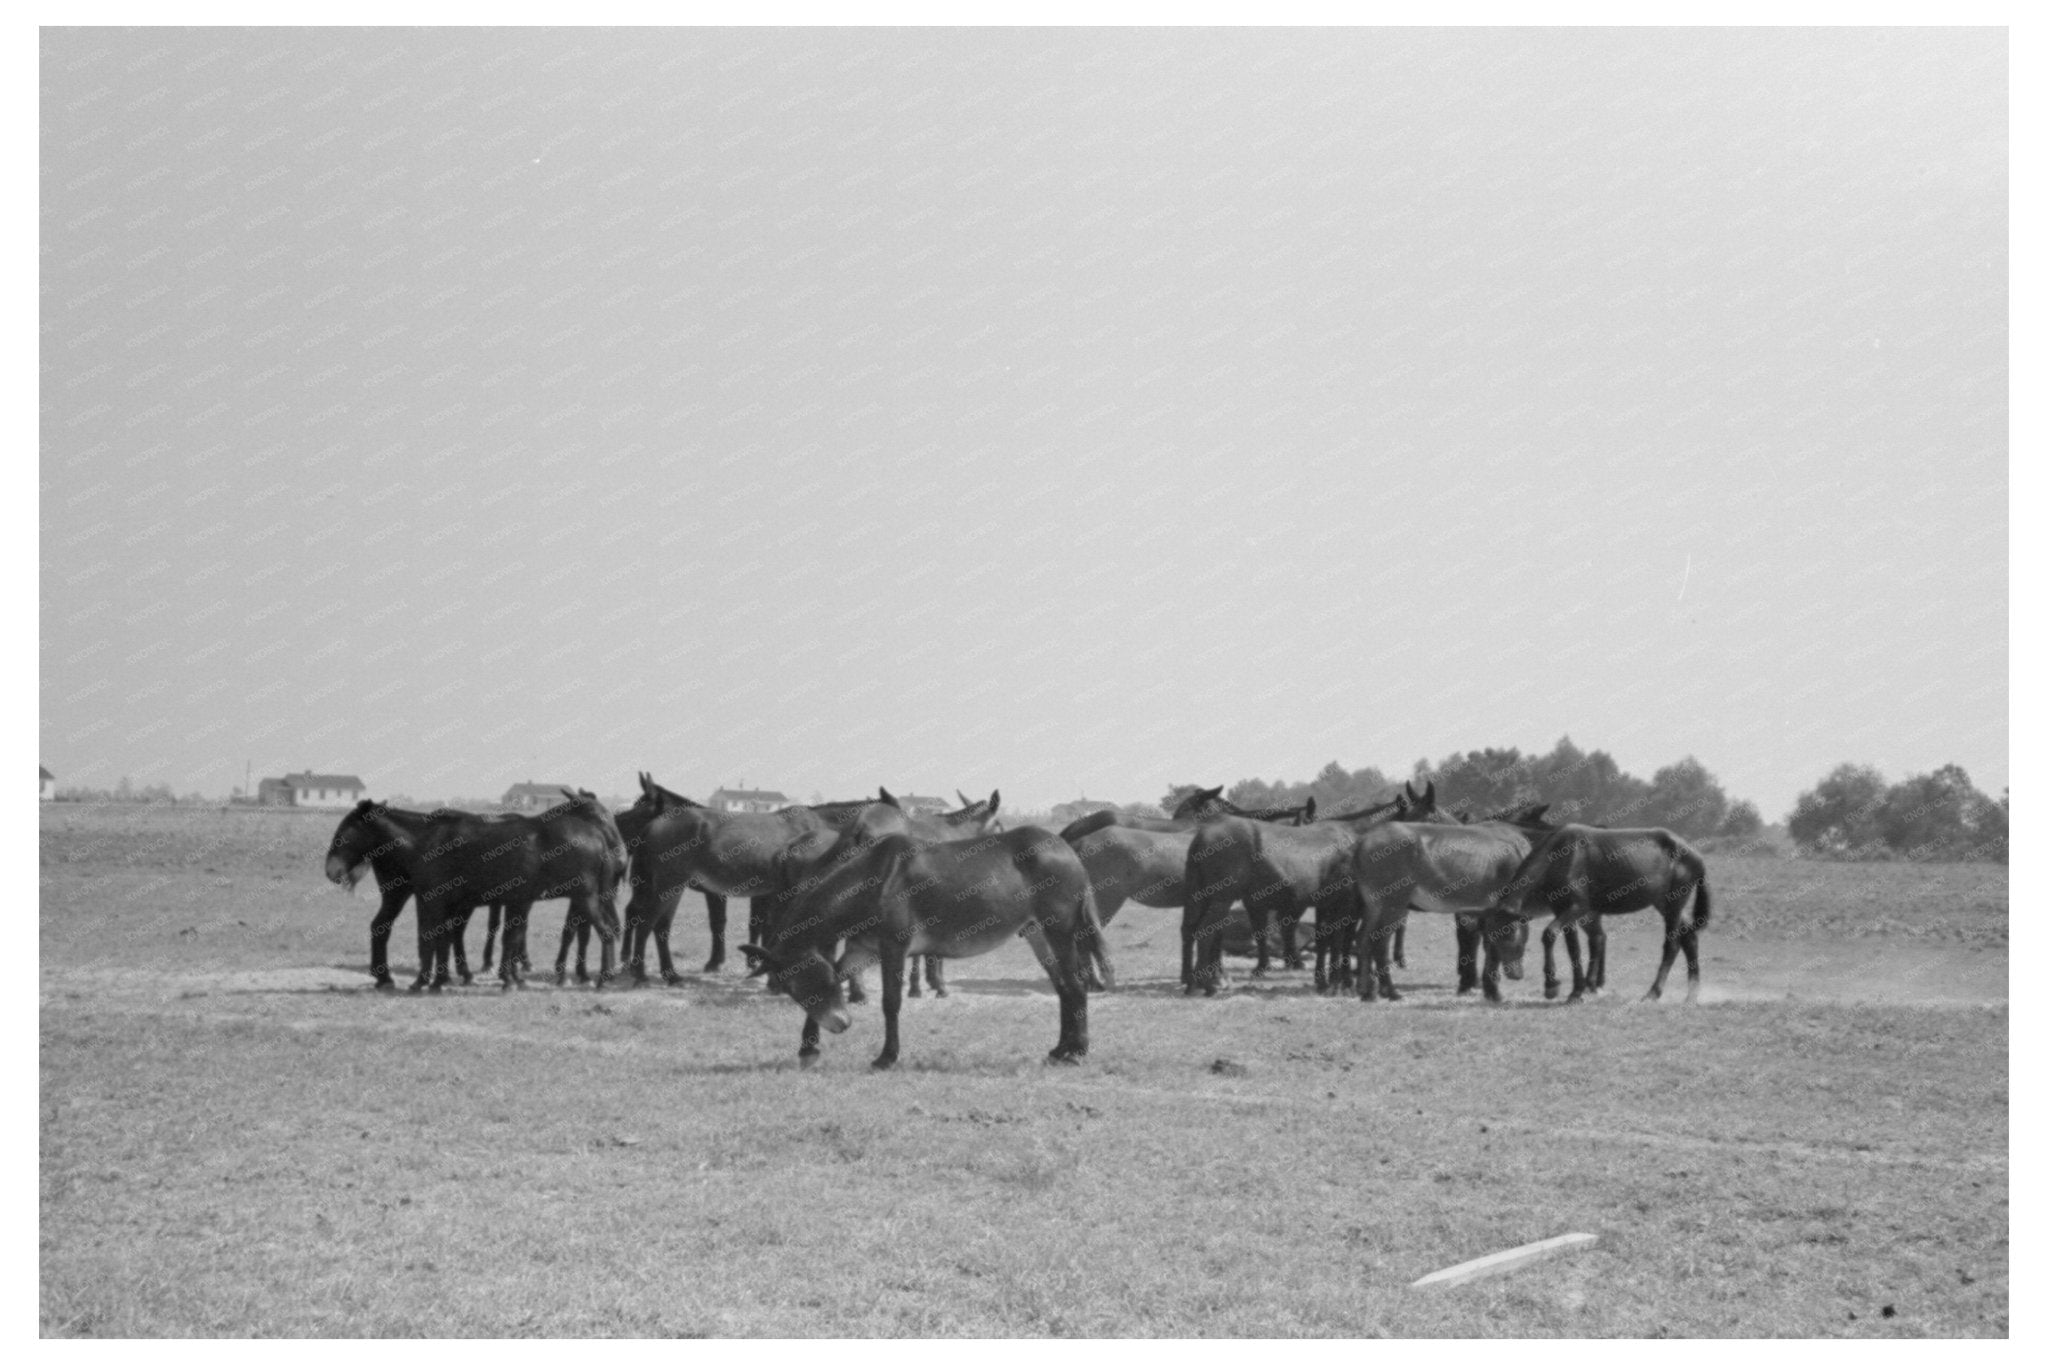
(128, 791)
(1855, 813)
(1587, 787)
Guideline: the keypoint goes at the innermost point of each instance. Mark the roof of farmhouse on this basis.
(749, 794)
(329, 780)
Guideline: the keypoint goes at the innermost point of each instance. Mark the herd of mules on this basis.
(841, 886)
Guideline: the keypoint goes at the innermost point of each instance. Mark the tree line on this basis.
(1939, 816)
(1851, 813)
(1584, 787)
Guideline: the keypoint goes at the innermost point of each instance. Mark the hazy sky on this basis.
(1058, 411)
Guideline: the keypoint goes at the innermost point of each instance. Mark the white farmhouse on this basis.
(316, 791)
(747, 799)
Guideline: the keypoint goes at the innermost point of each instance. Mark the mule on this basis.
(1132, 859)
(1272, 867)
(1443, 868)
(390, 850)
(973, 817)
(678, 844)
(456, 862)
(1579, 874)
(895, 896)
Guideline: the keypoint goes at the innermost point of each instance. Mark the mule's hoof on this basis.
(882, 1063)
(674, 979)
(415, 988)
(711, 968)
(384, 983)
(1062, 1056)
(806, 1060)
(939, 991)
(1550, 990)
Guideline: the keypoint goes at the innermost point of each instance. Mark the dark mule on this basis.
(390, 848)
(571, 851)
(897, 896)
(1139, 859)
(1273, 869)
(973, 817)
(678, 844)
(1440, 868)
(1579, 874)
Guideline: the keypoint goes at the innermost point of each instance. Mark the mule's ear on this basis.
(1212, 793)
(1408, 790)
(1430, 794)
(364, 806)
(759, 959)
(963, 797)
(995, 801)
(1536, 814)
(887, 799)
(1308, 810)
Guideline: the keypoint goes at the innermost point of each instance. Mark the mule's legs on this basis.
(807, 1048)
(1058, 949)
(1550, 981)
(1596, 955)
(664, 920)
(380, 936)
(1571, 946)
(491, 933)
(512, 946)
(1382, 953)
(444, 925)
(714, 915)
(1671, 937)
(1259, 910)
(1401, 946)
(916, 965)
(1468, 953)
(892, 1001)
(935, 974)
(562, 953)
(455, 943)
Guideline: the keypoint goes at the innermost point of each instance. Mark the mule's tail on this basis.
(1702, 903)
(1098, 940)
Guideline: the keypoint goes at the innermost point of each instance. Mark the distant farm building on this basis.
(747, 799)
(532, 795)
(923, 805)
(317, 791)
(49, 783)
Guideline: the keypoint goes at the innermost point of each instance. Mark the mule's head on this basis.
(355, 839)
(978, 816)
(1198, 803)
(1418, 807)
(807, 978)
(1505, 937)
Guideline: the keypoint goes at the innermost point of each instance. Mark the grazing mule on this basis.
(1579, 874)
(896, 896)
(390, 850)
(1441, 868)
(1271, 868)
